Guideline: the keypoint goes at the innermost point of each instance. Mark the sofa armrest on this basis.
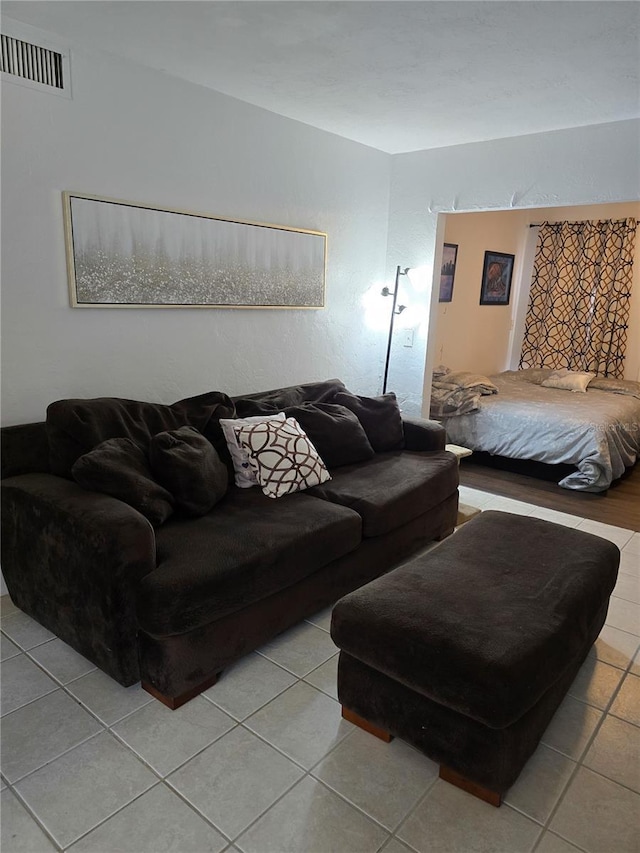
(72, 560)
(422, 434)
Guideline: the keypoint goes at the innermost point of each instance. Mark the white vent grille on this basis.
(31, 62)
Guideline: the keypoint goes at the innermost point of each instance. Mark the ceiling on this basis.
(398, 76)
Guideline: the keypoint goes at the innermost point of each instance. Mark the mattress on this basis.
(597, 431)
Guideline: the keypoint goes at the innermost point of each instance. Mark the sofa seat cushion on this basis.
(246, 549)
(392, 488)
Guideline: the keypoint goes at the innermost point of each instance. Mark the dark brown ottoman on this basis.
(467, 651)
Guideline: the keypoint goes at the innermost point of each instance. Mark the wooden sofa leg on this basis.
(357, 720)
(491, 797)
(175, 702)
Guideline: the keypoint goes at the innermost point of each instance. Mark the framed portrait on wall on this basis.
(447, 271)
(496, 278)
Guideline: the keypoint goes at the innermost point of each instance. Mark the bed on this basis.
(597, 431)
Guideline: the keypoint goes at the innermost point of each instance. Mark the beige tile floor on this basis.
(263, 762)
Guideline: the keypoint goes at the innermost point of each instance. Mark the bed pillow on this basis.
(535, 375)
(282, 457)
(568, 380)
(335, 432)
(119, 467)
(380, 418)
(616, 386)
(188, 466)
(243, 473)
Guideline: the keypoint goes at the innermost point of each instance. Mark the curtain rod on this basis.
(539, 224)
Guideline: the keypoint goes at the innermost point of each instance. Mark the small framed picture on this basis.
(496, 278)
(447, 271)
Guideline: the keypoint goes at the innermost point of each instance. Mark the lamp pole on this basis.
(400, 309)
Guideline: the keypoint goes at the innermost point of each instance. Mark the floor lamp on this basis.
(394, 311)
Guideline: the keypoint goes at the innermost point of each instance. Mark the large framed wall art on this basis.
(122, 254)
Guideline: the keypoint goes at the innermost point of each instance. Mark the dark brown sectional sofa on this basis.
(174, 605)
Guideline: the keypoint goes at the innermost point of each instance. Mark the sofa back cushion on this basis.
(268, 402)
(74, 427)
(336, 433)
(380, 418)
(188, 466)
(119, 467)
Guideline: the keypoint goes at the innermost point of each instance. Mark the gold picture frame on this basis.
(123, 254)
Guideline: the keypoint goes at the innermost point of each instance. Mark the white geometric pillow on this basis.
(244, 476)
(282, 457)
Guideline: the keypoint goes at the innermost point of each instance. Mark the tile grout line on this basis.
(13, 784)
(358, 808)
(579, 764)
(171, 787)
(557, 835)
(411, 812)
(35, 817)
(306, 773)
(108, 728)
(157, 784)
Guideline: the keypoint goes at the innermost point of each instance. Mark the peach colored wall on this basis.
(475, 337)
(471, 336)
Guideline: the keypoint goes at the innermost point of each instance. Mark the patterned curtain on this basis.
(579, 298)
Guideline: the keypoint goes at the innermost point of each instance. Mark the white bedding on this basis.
(597, 431)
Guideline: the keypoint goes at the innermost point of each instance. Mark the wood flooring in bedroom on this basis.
(537, 483)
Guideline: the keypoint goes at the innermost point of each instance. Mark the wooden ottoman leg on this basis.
(491, 797)
(357, 720)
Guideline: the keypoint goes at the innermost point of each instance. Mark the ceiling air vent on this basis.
(31, 62)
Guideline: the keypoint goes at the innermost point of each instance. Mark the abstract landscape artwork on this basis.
(123, 254)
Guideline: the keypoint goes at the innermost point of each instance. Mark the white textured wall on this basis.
(136, 134)
(139, 135)
(589, 165)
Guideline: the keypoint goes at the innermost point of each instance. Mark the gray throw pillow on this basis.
(119, 467)
(188, 466)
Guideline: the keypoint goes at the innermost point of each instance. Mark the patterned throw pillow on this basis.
(244, 475)
(282, 457)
